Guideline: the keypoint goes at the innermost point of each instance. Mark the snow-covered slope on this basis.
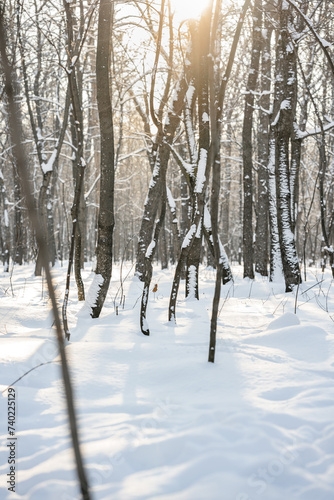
(157, 421)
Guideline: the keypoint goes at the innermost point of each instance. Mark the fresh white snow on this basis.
(200, 179)
(157, 421)
(93, 291)
(188, 236)
(48, 166)
(150, 249)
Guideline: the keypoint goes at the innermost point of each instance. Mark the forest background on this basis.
(148, 138)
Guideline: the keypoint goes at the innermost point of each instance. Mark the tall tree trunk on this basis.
(18, 218)
(149, 258)
(296, 144)
(283, 119)
(276, 270)
(192, 265)
(106, 214)
(6, 233)
(79, 168)
(247, 147)
(42, 204)
(75, 87)
(226, 190)
(262, 210)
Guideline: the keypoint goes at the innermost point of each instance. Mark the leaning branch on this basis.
(222, 90)
(323, 44)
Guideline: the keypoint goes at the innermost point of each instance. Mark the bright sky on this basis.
(188, 9)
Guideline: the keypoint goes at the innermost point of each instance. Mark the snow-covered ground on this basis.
(157, 421)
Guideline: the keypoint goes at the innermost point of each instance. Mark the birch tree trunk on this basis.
(276, 270)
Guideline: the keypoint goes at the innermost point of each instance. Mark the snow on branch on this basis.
(323, 43)
(170, 199)
(187, 167)
(48, 166)
(150, 249)
(188, 237)
(200, 180)
(308, 133)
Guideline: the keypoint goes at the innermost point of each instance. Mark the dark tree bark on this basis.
(296, 144)
(175, 232)
(227, 179)
(5, 235)
(261, 253)
(18, 217)
(77, 124)
(283, 119)
(148, 261)
(106, 214)
(247, 146)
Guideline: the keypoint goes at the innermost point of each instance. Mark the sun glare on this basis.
(188, 9)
